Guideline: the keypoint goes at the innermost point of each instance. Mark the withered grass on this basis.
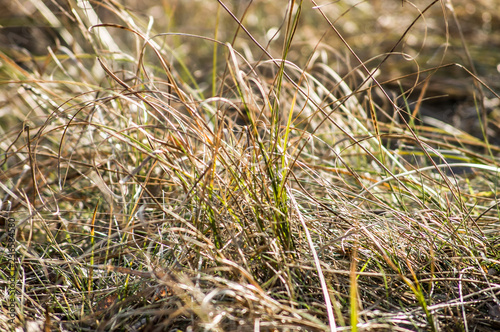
(252, 165)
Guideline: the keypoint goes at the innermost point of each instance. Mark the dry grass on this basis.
(320, 166)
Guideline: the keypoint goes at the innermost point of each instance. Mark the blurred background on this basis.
(435, 46)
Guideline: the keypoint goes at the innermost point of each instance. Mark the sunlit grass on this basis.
(228, 166)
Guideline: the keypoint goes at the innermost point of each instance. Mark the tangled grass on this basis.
(243, 170)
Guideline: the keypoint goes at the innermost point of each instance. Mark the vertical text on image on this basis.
(11, 246)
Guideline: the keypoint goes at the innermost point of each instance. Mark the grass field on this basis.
(247, 165)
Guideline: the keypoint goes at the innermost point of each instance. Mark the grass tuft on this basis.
(245, 165)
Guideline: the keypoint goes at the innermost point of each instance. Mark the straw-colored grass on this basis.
(250, 165)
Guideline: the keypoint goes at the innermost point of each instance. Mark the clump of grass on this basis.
(246, 178)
